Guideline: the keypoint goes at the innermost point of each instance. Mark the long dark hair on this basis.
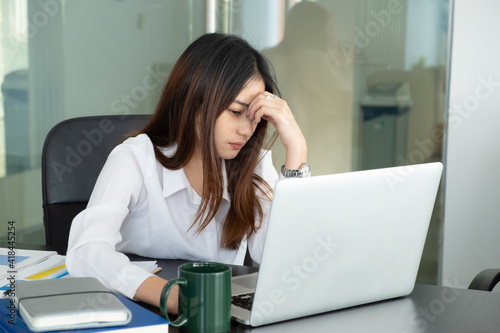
(203, 83)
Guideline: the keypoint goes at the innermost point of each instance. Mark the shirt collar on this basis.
(176, 180)
(173, 180)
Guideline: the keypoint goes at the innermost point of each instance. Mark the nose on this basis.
(246, 127)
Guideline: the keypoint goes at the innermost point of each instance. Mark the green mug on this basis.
(204, 297)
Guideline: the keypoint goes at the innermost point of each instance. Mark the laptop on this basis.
(337, 241)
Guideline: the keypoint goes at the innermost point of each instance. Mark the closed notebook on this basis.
(69, 303)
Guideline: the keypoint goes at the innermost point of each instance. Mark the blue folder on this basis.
(11, 320)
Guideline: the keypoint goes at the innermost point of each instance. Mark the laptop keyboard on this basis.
(243, 301)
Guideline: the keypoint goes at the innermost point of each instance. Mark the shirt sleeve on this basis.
(95, 232)
(266, 170)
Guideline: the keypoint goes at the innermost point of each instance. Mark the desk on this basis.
(427, 309)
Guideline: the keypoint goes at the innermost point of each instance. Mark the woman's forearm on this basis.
(150, 291)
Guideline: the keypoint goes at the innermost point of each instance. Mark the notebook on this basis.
(71, 303)
(340, 240)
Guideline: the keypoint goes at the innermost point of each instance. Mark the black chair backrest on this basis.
(74, 153)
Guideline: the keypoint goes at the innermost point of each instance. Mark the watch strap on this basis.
(302, 172)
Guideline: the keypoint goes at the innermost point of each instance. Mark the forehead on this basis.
(252, 88)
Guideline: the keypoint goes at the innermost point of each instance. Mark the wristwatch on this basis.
(302, 172)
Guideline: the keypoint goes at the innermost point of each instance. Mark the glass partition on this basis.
(365, 79)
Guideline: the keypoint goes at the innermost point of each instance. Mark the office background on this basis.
(471, 219)
(379, 100)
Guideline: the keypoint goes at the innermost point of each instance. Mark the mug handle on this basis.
(181, 320)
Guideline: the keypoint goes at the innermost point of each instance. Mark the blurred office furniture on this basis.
(385, 124)
(16, 115)
(486, 279)
(426, 88)
(73, 155)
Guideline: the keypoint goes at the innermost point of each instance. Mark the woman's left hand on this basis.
(277, 112)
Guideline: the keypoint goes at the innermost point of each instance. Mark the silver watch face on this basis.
(305, 170)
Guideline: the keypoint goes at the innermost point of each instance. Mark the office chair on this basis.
(73, 155)
(486, 280)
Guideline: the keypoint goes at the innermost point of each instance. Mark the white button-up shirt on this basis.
(140, 207)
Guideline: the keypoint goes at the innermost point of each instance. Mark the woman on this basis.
(194, 183)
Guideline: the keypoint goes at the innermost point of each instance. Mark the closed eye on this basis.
(236, 113)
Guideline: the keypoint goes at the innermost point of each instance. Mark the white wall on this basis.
(99, 59)
(108, 52)
(472, 193)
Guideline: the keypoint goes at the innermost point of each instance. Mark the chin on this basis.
(228, 155)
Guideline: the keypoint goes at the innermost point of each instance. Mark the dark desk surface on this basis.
(427, 309)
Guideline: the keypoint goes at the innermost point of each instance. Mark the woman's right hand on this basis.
(150, 291)
(277, 112)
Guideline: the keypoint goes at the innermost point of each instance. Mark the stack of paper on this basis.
(150, 266)
(28, 265)
(20, 259)
(40, 265)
